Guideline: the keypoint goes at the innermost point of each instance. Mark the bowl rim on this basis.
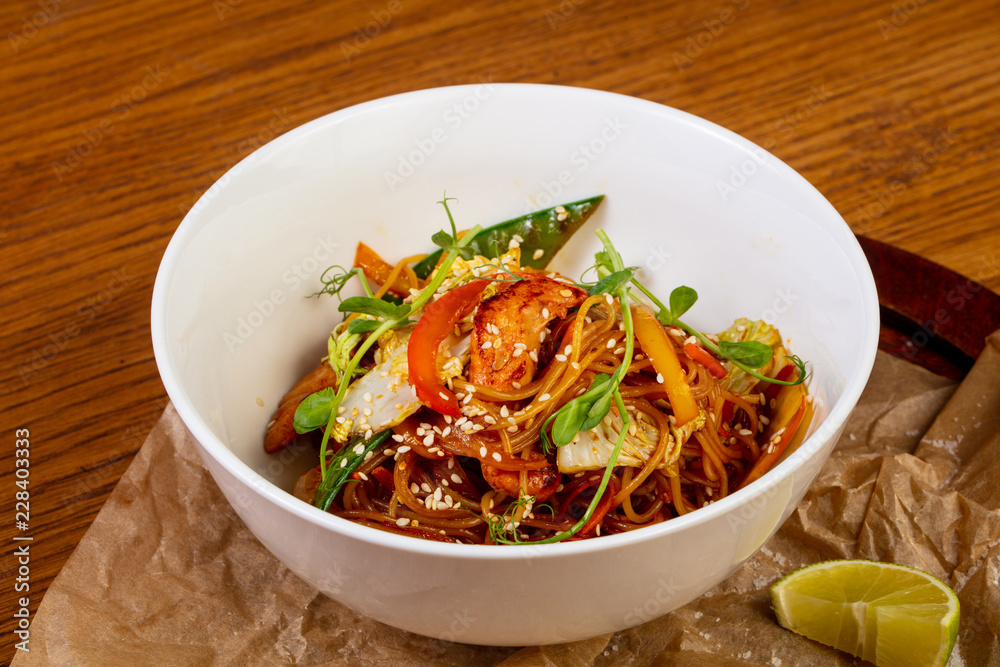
(258, 484)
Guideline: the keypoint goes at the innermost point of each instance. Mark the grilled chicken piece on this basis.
(517, 314)
(541, 484)
(281, 431)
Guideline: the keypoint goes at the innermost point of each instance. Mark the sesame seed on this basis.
(609, 299)
(545, 313)
(403, 449)
(512, 429)
(343, 463)
(388, 452)
(446, 432)
(504, 412)
(533, 356)
(745, 431)
(543, 398)
(421, 432)
(541, 336)
(414, 488)
(611, 343)
(659, 378)
(397, 437)
(368, 434)
(561, 357)
(451, 463)
(773, 404)
(468, 397)
(455, 478)
(461, 420)
(443, 395)
(369, 455)
(537, 254)
(764, 420)
(565, 292)
(517, 353)
(368, 397)
(521, 346)
(402, 522)
(364, 477)
(438, 493)
(489, 419)
(359, 449)
(568, 351)
(444, 482)
(428, 441)
(487, 345)
(497, 457)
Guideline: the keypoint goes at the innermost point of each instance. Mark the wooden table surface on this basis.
(118, 115)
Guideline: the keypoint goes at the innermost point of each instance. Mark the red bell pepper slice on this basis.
(438, 320)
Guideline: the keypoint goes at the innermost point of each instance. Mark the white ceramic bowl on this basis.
(688, 201)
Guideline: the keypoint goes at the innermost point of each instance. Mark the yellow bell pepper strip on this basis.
(657, 347)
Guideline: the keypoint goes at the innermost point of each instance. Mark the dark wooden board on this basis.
(931, 316)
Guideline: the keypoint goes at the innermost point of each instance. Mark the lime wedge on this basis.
(887, 614)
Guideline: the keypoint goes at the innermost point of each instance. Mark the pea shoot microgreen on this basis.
(746, 355)
(321, 407)
(587, 410)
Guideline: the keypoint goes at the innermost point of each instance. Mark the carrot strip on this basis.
(702, 357)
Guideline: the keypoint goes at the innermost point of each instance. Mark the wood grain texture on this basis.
(118, 115)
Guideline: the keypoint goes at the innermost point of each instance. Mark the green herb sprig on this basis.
(321, 407)
(746, 355)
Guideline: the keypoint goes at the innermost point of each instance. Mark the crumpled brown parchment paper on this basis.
(168, 574)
